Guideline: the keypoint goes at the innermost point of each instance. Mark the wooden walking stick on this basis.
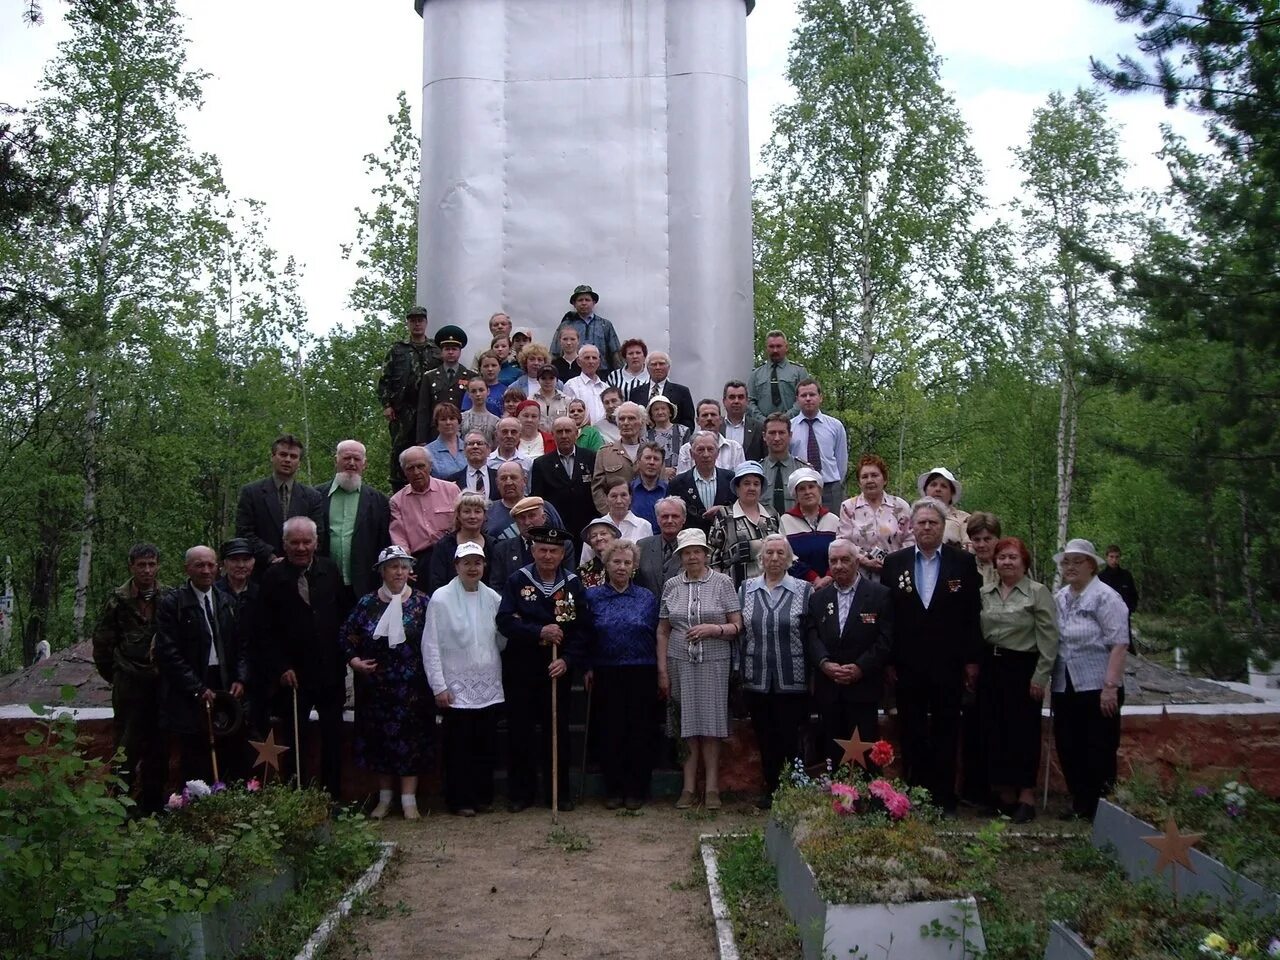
(213, 744)
(297, 738)
(555, 741)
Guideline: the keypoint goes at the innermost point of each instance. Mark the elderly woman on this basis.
(875, 521)
(596, 536)
(534, 441)
(666, 433)
(941, 484)
(462, 652)
(809, 527)
(1088, 677)
(469, 515)
(477, 418)
(589, 438)
(381, 641)
(699, 620)
(623, 675)
(1021, 634)
(551, 400)
(984, 530)
(772, 657)
(633, 373)
(736, 533)
(447, 455)
(629, 526)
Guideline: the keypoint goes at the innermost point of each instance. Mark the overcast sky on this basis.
(300, 92)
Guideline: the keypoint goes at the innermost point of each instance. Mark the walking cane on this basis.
(213, 746)
(555, 742)
(297, 739)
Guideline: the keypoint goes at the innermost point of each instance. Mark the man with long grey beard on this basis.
(359, 519)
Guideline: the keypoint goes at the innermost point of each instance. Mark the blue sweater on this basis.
(625, 626)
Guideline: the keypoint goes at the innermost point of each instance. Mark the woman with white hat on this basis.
(1088, 677)
(699, 621)
(809, 527)
(666, 433)
(941, 484)
(381, 641)
(736, 533)
(461, 648)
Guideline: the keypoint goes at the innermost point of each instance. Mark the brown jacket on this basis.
(612, 466)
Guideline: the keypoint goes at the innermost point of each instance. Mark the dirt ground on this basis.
(602, 884)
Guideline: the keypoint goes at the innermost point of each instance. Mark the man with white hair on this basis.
(616, 462)
(659, 365)
(358, 520)
(659, 561)
(507, 436)
(588, 385)
(422, 512)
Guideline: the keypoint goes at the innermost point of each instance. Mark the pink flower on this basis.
(898, 806)
(253, 786)
(881, 789)
(176, 802)
(844, 797)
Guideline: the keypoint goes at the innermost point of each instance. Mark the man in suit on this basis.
(265, 505)
(199, 650)
(563, 479)
(848, 639)
(478, 476)
(447, 383)
(937, 643)
(300, 621)
(706, 489)
(659, 561)
(738, 423)
(357, 522)
(659, 366)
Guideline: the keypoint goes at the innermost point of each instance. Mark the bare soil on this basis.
(601, 884)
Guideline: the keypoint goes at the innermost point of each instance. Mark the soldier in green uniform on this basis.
(399, 385)
(123, 652)
(447, 383)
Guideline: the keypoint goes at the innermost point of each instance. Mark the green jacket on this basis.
(402, 374)
(123, 637)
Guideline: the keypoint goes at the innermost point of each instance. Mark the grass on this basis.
(568, 839)
(761, 927)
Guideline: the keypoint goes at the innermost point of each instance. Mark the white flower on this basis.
(198, 788)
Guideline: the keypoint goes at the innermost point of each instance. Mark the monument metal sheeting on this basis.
(590, 141)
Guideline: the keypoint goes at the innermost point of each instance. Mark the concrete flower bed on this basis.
(1064, 944)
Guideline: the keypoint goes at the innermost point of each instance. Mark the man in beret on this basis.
(592, 329)
(398, 387)
(447, 383)
(545, 619)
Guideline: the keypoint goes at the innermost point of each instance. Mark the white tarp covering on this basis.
(590, 141)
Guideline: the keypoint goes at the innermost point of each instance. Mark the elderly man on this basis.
(739, 424)
(588, 385)
(706, 489)
(515, 550)
(507, 433)
(659, 561)
(774, 384)
(592, 330)
(617, 461)
(659, 367)
(500, 524)
(122, 652)
(399, 385)
(821, 441)
(563, 478)
(478, 476)
(778, 464)
(499, 325)
(357, 524)
(544, 609)
(422, 512)
(237, 563)
(447, 383)
(264, 506)
(848, 638)
(300, 620)
(937, 643)
(729, 454)
(200, 650)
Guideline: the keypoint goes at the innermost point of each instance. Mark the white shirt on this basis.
(588, 391)
(728, 457)
(483, 473)
(526, 464)
(203, 597)
(737, 432)
(633, 528)
(844, 600)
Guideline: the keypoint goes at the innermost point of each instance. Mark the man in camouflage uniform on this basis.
(447, 383)
(123, 652)
(399, 384)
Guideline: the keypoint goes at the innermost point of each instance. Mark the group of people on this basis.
(571, 510)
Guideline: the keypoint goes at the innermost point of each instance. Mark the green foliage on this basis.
(761, 928)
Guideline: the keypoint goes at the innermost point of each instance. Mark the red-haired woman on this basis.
(875, 521)
(1019, 625)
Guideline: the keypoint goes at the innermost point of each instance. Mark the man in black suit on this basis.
(738, 424)
(265, 505)
(199, 650)
(659, 561)
(937, 643)
(477, 476)
(357, 523)
(563, 479)
(300, 620)
(659, 365)
(848, 639)
(694, 486)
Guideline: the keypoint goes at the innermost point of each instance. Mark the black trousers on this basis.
(776, 719)
(1010, 718)
(974, 756)
(144, 765)
(929, 713)
(527, 689)
(328, 703)
(627, 701)
(470, 749)
(1087, 743)
(840, 717)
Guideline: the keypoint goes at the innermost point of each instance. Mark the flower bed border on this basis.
(1118, 828)
(726, 945)
(323, 933)
(1065, 944)
(825, 927)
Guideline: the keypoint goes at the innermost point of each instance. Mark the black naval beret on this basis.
(551, 535)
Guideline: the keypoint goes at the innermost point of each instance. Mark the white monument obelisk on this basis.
(591, 141)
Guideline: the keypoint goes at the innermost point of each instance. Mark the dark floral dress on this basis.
(394, 705)
(592, 573)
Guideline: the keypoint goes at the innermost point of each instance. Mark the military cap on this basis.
(451, 336)
(235, 547)
(549, 535)
(418, 311)
(582, 288)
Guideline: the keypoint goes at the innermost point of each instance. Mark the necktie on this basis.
(304, 588)
(779, 497)
(567, 462)
(450, 374)
(775, 391)
(654, 390)
(814, 454)
(284, 500)
(479, 482)
(667, 548)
